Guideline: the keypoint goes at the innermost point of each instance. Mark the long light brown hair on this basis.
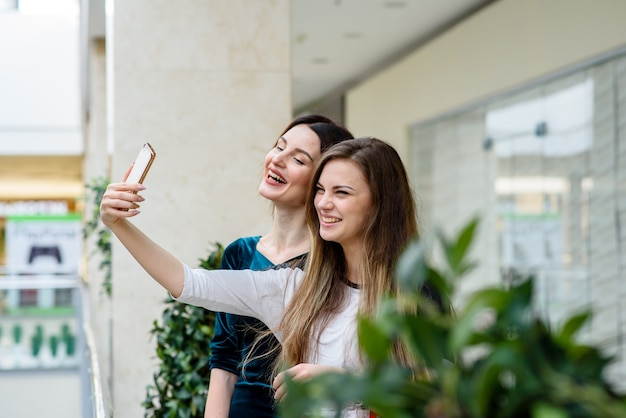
(392, 224)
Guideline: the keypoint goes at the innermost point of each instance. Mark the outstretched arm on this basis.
(120, 202)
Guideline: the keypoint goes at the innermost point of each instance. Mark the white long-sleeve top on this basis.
(264, 295)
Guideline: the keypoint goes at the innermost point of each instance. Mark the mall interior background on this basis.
(515, 113)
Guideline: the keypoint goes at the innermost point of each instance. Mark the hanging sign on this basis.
(43, 244)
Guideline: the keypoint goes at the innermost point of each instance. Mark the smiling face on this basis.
(343, 202)
(289, 166)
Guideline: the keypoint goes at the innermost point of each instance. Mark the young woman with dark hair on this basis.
(287, 171)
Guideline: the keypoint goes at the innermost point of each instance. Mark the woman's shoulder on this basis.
(243, 245)
(239, 253)
(244, 242)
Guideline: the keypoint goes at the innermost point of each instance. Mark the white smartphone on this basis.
(142, 164)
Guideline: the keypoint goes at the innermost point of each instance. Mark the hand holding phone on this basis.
(142, 164)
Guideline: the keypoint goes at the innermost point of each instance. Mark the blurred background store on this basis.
(510, 109)
(41, 189)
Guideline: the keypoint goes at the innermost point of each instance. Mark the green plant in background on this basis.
(70, 345)
(17, 334)
(68, 339)
(493, 358)
(36, 341)
(183, 337)
(54, 345)
(95, 189)
(65, 331)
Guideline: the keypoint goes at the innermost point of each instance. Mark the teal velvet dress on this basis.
(234, 336)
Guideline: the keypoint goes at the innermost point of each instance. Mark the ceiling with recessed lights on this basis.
(337, 43)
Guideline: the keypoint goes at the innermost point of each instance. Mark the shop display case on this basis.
(39, 322)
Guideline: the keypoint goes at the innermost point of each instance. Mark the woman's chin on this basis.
(269, 192)
(326, 236)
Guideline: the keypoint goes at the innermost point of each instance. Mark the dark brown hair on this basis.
(326, 130)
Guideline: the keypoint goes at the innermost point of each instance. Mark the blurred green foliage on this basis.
(493, 358)
(95, 189)
(181, 382)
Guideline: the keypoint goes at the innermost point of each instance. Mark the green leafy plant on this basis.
(17, 334)
(54, 345)
(95, 189)
(69, 339)
(493, 358)
(36, 341)
(180, 384)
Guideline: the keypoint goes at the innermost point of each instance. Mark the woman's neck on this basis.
(288, 238)
(354, 255)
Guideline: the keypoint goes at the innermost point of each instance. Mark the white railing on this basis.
(101, 405)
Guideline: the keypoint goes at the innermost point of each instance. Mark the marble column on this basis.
(208, 84)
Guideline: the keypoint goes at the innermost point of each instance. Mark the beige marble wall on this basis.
(207, 83)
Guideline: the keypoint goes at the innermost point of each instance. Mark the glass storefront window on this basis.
(545, 168)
